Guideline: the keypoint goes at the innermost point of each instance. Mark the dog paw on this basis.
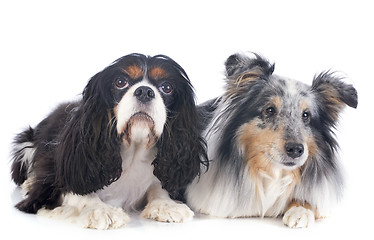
(167, 211)
(298, 217)
(103, 218)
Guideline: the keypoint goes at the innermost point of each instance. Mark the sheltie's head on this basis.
(269, 121)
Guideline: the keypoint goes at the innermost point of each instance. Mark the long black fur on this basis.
(77, 148)
(19, 169)
(181, 150)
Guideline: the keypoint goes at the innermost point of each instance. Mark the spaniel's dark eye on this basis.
(166, 88)
(306, 116)
(121, 83)
(270, 111)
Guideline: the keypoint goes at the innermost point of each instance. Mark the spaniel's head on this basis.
(137, 99)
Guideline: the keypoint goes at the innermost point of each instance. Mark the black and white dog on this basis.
(132, 140)
(271, 144)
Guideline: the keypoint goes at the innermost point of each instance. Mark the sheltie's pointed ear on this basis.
(333, 94)
(88, 156)
(243, 72)
(247, 67)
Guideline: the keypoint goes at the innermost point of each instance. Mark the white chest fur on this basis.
(137, 176)
(228, 196)
(272, 193)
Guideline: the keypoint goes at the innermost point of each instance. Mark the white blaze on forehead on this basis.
(129, 105)
(295, 88)
(298, 95)
(306, 100)
(292, 87)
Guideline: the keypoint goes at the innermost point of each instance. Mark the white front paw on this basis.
(298, 217)
(167, 211)
(103, 218)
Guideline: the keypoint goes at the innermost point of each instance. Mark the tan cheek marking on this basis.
(312, 146)
(134, 71)
(257, 143)
(115, 110)
(157, 73)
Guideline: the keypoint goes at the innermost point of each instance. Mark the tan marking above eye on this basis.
(277, 102)
(303, 105)
(157, 73)
(134, 71)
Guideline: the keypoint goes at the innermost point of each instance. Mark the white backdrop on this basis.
(49, 49)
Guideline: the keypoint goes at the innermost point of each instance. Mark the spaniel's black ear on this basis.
(333, 94)
(88, 155)
(181, 150)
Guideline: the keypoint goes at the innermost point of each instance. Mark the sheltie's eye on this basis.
(306, 116)
(270, 112)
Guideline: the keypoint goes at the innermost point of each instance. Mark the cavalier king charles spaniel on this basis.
(271, 144)
(131, 142)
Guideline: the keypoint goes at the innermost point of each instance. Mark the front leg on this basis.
(299, 215)
(162, 208)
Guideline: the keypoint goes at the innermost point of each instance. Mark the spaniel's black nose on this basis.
(144, 94)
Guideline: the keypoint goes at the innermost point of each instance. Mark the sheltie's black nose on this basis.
(294, 150)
